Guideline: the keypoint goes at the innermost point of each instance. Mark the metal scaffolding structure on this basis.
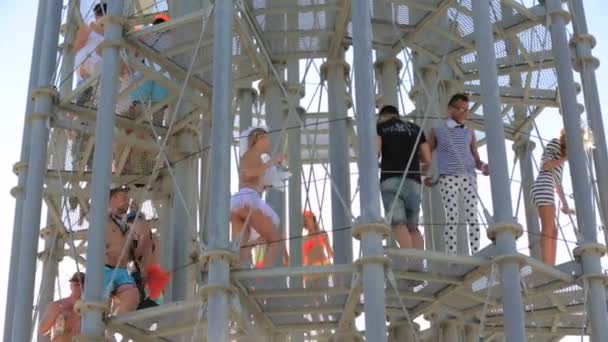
(229, 64)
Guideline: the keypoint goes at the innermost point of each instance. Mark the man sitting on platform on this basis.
(402, 146)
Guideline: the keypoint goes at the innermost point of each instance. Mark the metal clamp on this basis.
(520, 259)
(220, 254)
(206, 289)
(19, 166)
(379, 228)
(592, 248)
(48, 91)
(373, 259)
(118, 43)
(81, 306)
(497, 228)
(379, 63)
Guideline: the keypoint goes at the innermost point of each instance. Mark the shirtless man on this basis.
(118, 283)
(60, 319)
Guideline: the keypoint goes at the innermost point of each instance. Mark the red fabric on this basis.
(156, 280)
(308, 245)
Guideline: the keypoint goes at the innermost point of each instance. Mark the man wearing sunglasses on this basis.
(455, 146)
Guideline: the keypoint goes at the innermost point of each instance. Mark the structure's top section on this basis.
(279, 31)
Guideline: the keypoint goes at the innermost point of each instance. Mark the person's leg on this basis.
(238, 225)
(127, 294)
(126, 298)
(448, 186)
(390, 200)
(548, 235)
(264, 225)
(412, 199)
(470, 211)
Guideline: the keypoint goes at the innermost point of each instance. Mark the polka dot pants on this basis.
(456, 191)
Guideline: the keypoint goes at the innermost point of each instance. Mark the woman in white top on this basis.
(86, 41)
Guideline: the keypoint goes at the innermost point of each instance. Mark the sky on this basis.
(18, 24)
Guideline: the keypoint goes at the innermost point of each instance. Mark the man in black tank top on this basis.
(402, 146)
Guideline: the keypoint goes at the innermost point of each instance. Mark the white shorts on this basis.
(250, 198)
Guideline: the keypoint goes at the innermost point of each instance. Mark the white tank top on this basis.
(87, 57)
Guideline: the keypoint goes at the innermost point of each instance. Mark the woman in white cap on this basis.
(247, 209)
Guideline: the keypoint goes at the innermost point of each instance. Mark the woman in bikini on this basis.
(316, 250)
(247, 209)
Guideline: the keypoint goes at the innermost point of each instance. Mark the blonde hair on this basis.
(254, 135)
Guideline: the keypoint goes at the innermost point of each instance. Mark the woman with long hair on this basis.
(549, 179)
(316, 250)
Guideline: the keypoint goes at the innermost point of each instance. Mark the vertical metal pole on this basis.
(219, 221)
(586, 64)
(386, 65)
(182, 224)
(294, 156)
(92, 323)
(273, 99)
(371, 239)
(54, 247)
(589, 250)
(39, 135)
(504, 229)
(246, 97)
(432, 207)
(523, 148)
(205, 146)
(339, 159)
(21, 168)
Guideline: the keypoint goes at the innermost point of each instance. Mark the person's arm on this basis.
(142, 234)
(81, 37)
(479, 164)
(48, 319)
(257, 168)
(379, 144)
(424, 152)
(432, 141)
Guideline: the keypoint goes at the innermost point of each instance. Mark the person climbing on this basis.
(549, 179)
(247, 209)
(316, 249)
(59, 318)
(402, 147)
(457, 159)
(119, 285)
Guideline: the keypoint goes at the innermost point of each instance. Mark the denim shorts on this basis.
(114, 278)
(407, 201)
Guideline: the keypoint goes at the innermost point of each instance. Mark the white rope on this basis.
(484, 310)
(585, 296)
